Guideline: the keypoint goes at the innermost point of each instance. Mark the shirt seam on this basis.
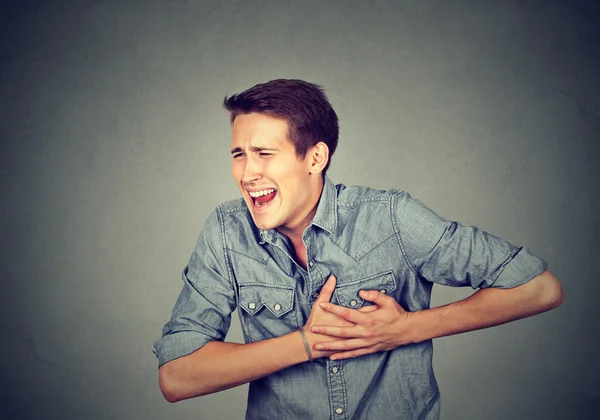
(236, 209)
(362, 201)
(383, 241)
(393, 209)
(224, 245)
(263, 262)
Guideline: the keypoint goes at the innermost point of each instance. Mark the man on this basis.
(332, 283)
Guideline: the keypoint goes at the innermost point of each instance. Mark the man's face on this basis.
(271, 178)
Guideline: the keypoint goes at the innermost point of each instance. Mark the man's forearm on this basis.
(487, 308)
(218, 366)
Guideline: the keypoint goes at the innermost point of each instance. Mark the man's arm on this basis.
(489, 307)
(217, 366)
(391, 326)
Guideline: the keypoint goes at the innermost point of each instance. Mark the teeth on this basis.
(260, 193)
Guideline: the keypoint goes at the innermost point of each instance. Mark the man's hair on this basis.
(303, 105)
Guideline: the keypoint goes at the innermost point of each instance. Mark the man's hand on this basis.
(381, 327)
(320, 316)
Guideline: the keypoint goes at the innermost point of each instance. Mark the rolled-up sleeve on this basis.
(203, 309)
(449, 253)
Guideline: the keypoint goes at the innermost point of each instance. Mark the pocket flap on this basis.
(278, 300)
(347, 293)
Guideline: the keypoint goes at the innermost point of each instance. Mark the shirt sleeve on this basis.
(451, 254)
(203, 309)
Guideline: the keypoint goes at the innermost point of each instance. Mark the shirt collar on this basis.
(325, 217)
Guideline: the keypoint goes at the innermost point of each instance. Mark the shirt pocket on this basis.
(347, 295)
(267, 311)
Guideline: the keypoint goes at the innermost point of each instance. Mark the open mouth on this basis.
(262, 198)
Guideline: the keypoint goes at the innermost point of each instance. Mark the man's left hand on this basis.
(383, 329)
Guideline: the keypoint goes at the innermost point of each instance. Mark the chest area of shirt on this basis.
(304, 269)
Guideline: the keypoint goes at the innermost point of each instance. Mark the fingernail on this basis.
(334, 357)
(319, 346)
(364, 293)
(315, 329)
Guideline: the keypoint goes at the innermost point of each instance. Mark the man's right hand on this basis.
(318, 316)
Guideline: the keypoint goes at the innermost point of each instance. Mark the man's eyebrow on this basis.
(254, 149)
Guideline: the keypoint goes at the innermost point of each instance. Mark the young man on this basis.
(332, 283)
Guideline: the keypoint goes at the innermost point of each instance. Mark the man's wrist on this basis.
(417, 326)
(306, 344)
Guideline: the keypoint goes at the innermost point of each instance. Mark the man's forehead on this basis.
(259, 133)
(257, 143)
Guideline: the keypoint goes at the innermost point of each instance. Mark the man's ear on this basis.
(318, 156)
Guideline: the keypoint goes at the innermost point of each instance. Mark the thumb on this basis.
(378, 298)
(327, 290)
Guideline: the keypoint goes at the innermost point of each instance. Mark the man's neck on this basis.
(294, 233)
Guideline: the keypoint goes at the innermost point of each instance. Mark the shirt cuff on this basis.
(523, 267)
(179, 344)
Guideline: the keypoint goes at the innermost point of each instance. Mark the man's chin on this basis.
(261, 224)
(264, 226)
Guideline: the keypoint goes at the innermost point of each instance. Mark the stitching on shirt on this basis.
(263, 262)
(344, 391)
(362, 280)
(268, 286)
(329, 381)
(238, 208)
(342, 249)
(376, 246)
(376, 200)
(224, 242)
(335, 210)
(393, 207)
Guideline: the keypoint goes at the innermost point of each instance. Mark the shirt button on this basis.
(252, 305)
(334, 369)
(353, 302)
(382, 291)
(278, 307)
(339, 410)
(311, 263)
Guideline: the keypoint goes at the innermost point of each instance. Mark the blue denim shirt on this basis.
(369, 239)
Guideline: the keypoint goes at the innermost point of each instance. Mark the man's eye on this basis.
(237, 155)
(265, 154)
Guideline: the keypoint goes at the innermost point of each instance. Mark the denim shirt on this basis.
(369, 239)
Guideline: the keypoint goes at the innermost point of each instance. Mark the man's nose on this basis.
(251, 170)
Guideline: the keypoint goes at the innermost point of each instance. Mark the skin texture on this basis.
(218, 365)
(263, 158)
(390, 326)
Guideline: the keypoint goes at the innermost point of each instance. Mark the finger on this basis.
(352, 353)
(327, 290)
(376, 297)
(334, 331)
(348, 314)
(367, 309)
(344, 345)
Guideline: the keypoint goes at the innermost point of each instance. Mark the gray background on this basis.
(115, 149)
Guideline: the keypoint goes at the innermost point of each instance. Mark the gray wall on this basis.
(115, 148)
